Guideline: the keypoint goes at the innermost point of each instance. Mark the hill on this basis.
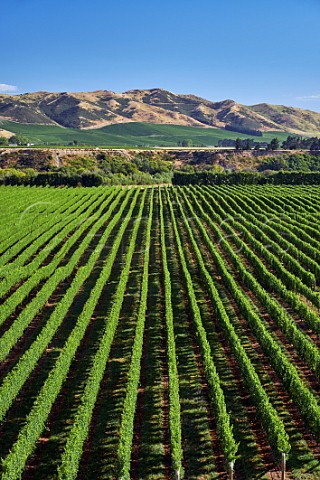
(92, 110)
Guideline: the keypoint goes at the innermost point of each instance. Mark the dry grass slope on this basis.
(90, 110)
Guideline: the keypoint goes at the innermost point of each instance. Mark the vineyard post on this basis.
(283, 467)
(177, 474)
(231, 470)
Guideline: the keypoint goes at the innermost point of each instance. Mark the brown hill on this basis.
(103, 107)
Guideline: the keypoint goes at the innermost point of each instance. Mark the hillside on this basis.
(292, 119)
(92, 110)
(128, 135)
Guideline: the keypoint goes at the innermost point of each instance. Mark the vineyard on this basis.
(160, 333)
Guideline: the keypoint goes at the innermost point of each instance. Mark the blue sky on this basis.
(250, 51)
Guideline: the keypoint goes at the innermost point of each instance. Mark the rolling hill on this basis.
(94, 110)
(128, 135)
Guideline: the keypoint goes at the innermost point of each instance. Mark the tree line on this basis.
(14, 140)
(293, 142)
(54, 179)
(246, 178)
(246, 131)
(305, 162)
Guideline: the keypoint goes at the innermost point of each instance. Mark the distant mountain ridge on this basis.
(90, 110)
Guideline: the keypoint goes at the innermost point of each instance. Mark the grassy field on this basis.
(128, 135)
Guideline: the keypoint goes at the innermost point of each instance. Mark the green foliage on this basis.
(73, 449)
(271, 421)
(245, 178)
(76, 162)
(274, 144)
(131, 134)
(238, 144)
(174, 400)
(55, 179)
(186, 143)
(286, 371)
(244, 130)
(14, 463)
(303, 345)
(247, 262)
(304, 162)
(296, 143)
(224, 428)
(127, 418)
(19, 140)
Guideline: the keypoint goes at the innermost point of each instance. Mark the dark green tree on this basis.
(19, 140)
(3, 142)
(291, 143)
(274, 144)
(238, 144)
(247, 144)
